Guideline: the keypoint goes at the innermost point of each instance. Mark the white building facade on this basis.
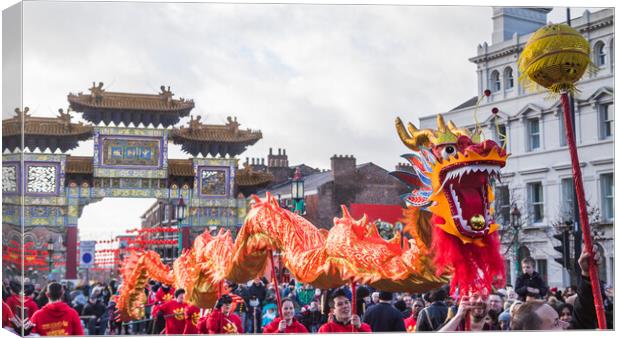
(538, 176)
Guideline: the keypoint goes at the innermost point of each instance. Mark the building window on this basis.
(606, 118)
(496, 85)
(568, 198)
(600, 56)
(533, 130)
(535, 202)
(562, 130)
(499, 133)
(509, 80)
(502, 205)
(607, 198)
(541, 267)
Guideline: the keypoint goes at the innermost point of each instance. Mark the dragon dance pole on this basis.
(583, 213)
(353, 297)
(274, 278)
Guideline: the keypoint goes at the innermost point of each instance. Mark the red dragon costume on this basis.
(449, 217)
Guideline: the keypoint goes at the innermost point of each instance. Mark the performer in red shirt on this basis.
(287, 325)
(174, 313)
(56, 318)
(343, 320)
(7, 314)
(15, 300)
(164, 294)
(410, 322)
(192, 316)
(220, 320)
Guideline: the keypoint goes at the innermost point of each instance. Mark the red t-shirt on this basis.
(174, 313)
(6, 315)
(192, 316)
(15, 300)
(410, 323)
(333, 326)
(57, 319)
(295, 327)
(160, 298)
(216, 322)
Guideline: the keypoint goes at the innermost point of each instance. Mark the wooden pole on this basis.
(274, 279)
(583, 213)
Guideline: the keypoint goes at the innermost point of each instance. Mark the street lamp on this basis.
(180, 214)
(297, 192)
(515, 223)
(50, 252)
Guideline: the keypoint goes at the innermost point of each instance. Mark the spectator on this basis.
(311, 318)
(504, 320)
(288, 323)
(530, 283)
(432, 317)
(258, 290)
(305, 295)
(374, 299)
(56, 318)
(361, 293)
(95, 308)
(410, 322)
(253, 316)
(384, 317)
(79, 301)
(408, 300)
(537, 315)
(496, 302)
(268, 314)
(342, 320)
(220, 320)
(477, 307)
(565, 311)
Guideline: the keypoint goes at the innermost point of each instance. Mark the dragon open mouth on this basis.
(466, 187)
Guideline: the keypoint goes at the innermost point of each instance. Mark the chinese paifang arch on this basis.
(448, 215)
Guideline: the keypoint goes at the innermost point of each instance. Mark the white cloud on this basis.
(317, 80)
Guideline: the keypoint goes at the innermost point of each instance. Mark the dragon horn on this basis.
(345, 211)
(458, 131)
(441, 124)
(415, 137)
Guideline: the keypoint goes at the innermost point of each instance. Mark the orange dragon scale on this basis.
(448, 217)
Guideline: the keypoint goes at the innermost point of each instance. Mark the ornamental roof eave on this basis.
(60, 125)
(249, 178)
(99, 100)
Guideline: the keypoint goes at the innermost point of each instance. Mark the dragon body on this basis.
(448, 217)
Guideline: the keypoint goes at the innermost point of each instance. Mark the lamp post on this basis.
(515, 222)
(50, 252)
(297, 193)
(180, 214)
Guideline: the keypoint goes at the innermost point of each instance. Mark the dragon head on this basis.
(452, 177)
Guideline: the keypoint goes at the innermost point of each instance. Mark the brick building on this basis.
(345, 183)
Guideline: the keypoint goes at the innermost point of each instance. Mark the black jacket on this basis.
(383, 317)
(534, 281)
(432, 317)
(584, 314)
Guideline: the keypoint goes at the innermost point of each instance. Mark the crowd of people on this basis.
(59, 309)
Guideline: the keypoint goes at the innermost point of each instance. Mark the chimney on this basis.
(405, 167)
(520, 20)
(342, 165)
(270, 151)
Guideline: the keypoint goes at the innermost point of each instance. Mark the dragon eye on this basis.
(448, 151)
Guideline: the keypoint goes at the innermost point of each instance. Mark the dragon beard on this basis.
(475, 268)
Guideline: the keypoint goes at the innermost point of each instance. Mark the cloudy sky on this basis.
(317, 80)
